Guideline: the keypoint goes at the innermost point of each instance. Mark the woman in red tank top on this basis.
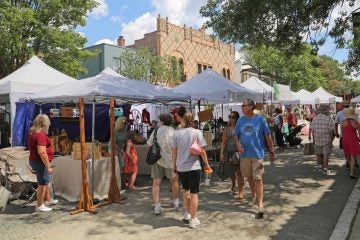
(41, 154)
(350, 137)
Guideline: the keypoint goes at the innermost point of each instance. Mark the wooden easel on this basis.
(114, 193)
(86, 201)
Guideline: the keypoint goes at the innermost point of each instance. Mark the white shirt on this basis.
(165, 138)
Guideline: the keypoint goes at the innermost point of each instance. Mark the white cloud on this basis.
(137, 28)
(107, 41)
(82, 34)
(116, 19)
(179, 12)
(100, 11)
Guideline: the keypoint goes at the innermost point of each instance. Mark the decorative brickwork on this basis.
(197, 49)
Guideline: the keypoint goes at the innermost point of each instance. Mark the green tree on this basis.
(299, 71)
(284, 24)
(137, 64)
(142, 64)
(45, 28)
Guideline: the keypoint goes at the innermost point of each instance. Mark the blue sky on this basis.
(134, 18)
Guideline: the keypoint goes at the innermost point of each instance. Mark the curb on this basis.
(344, 224)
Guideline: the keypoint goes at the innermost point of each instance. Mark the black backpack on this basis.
(153, 154)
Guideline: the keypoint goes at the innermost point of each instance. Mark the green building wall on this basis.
(108, 56)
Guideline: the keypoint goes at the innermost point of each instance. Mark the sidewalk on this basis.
(348, 225)
(299, 202)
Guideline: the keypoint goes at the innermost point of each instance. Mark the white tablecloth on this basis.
(142, 151)
(67, 177)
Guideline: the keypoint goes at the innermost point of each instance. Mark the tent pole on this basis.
(222, 111)
(85, 201)
(114, 193)
(93, 150)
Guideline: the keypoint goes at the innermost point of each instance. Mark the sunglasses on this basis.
(244, 105)
(230, 116)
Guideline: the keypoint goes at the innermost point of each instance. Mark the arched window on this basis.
(224, 72)
(228, 74)
(181, 70)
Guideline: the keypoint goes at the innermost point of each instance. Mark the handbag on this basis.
(153, 154)
(225, 170)
(309, 148)
(234, 158)
(195, 148)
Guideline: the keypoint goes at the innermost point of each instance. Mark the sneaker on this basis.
(328, 171)
(347, 166)
(43, 208)
(176, 203)
(51, 202)
(260, 214)
(187, 216)
(157, 209)
(194, 222)
(318, 168)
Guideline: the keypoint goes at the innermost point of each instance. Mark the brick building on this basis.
(194, 50)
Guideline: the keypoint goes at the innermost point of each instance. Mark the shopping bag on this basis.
(225, 170)
(4, 197)
(195, 148)
(309, 148)
(153, 154)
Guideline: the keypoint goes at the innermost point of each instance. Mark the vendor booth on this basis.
(33, 77)
(326, 97)
(215, 88)
(97, 90)
(306, 98)
(255, 84)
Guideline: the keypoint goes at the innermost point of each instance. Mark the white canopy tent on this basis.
(286, 96)
(214, 88)
(34, 76)
(306, 97)
(356, 99)
(326, 97)
(108, 84)
(257, 85)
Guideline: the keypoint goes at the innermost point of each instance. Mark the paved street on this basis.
(300, 204)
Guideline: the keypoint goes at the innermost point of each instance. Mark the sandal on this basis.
(353, 177)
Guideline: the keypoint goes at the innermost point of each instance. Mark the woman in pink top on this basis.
(350, 137)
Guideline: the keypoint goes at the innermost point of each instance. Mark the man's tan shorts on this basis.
(252, 167)
(158, 171)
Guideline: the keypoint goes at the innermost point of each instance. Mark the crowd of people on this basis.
(244, 141)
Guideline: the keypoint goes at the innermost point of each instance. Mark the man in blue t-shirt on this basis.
(251, 132)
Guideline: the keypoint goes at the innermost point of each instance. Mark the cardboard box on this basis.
(205, 115)
(66, 111)
(76, 150)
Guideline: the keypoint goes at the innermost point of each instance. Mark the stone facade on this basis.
(193, 48)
